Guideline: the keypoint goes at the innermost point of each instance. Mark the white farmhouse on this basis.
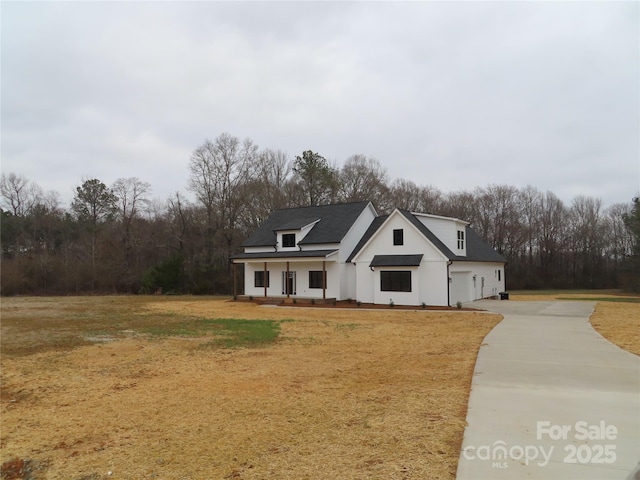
(347, 251)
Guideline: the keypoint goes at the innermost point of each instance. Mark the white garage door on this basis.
(460, 287)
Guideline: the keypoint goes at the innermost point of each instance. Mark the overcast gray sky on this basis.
(450, 94)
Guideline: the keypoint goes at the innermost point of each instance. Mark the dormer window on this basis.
(460, 239)
(288, 240)
(398, 237)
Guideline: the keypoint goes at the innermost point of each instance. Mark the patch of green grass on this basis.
(248, 333)
(41, 324)
(227, 332)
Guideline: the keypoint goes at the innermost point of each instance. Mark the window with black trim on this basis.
(395, 281)
(398, 237)
(288, 239)
(259, 279)
(315, 279)
(460, 240)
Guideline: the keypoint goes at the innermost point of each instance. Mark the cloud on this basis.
(451, 94)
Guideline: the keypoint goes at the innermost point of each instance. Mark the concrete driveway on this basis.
(551, 398)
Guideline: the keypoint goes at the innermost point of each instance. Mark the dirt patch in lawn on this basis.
(340, 393)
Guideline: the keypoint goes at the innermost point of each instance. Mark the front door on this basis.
(289, 283)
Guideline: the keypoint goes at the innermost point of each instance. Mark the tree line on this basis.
(115, 239)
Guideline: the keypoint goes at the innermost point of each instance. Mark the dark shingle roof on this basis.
(478, 250)
(396, 260)
(294, 254)
(334, 223)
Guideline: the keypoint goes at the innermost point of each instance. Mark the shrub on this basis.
(166, 275)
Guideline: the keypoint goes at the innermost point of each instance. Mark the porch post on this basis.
(324, 280)
(286, 281)
(264, 278)
(234, 281)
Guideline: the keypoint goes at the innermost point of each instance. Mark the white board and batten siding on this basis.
(428, 280)
(474, 281)
(446, 229)
(439, 276)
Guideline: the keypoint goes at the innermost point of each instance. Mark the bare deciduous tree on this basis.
(267, 187)
(500, 217)
(220, 170)
(462, 205)
(133, 199)
(404, 194)
(132, 196)
(363, 179)
(586, 240)
(19, 195)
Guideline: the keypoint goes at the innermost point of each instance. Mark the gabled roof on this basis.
(422, 228)
(373, 228)
(377, 223)
(477, 249)
(333, 223)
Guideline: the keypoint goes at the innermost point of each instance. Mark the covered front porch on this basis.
(274, 275)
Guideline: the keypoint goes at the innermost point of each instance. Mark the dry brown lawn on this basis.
(619, 323)
(88, 393)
